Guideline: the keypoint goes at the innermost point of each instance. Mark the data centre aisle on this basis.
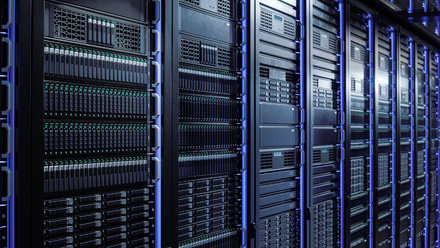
(219, 123)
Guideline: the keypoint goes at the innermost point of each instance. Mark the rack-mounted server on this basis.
(276, 117)
(98, 185)
(384, 135)
(206, 191)
(358, 102)
(324, 122)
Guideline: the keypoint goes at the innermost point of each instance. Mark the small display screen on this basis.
(278, 18)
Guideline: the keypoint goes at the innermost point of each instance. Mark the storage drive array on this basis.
(98, 188)
(210, 132)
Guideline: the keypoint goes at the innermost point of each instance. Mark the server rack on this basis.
(7, 77)
(384, 136)
(98, 190)
(276, 117)
(432, 222)
(405, 132)
(80, 174)
(421, 134)
(358, 96)
(206, 194)
(324, 111)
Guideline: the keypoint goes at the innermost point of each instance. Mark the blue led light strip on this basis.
(302, 70)
(244, 123)
(372, 119)
(394, 133)
(437, 59)
(158, 189)
(413, 155)
(427, 141)
(342, 89)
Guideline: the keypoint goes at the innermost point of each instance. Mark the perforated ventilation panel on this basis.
(266, 19)
(420, 163)
(266, 161)
(290, 158)
(324, 40)
(289, 28)
(190, 50)
(384, 173)
(225, 57)
(224, 7)
(128, 37)
(404, 169)
(357, 178)
(358, 53)
(69, 24)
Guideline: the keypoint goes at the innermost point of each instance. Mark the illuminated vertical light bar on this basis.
(427, 141)
(157, 154)
(437, 59)
(303, 97)
(244, 124)
(342, 87)
(413, 117)
(371, 84)
(394, 135)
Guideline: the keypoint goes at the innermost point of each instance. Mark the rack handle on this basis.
(301, 31)
(158, 141)
(9, 141)
(8, 172)
(243, 11)
(9, 103)
(158, 106)
(158, 14)
(10, 51)
(157, 42)
(158, 170)
(243, 111)
(10, 13)
(157, 80)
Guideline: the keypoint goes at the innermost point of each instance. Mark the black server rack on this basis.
(384, 135)
(80, 175)
(98, 184)
(358, 128)
(432, 222)
(207, 90)
(405, 101)
(421, 133)
(324, 111)
(276, 117)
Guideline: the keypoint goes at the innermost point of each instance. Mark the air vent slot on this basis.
(69, 24)
(266, 160)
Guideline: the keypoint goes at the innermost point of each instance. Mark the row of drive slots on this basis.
(65, 176)
(280, 227)
(91, 138)
(205, 137)
(224, 239)
(100, 31)
(208, 163)
(99, 219)
(200, 108)
(65, 100)
(208, 81)
(208, 205)
(82, 63)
